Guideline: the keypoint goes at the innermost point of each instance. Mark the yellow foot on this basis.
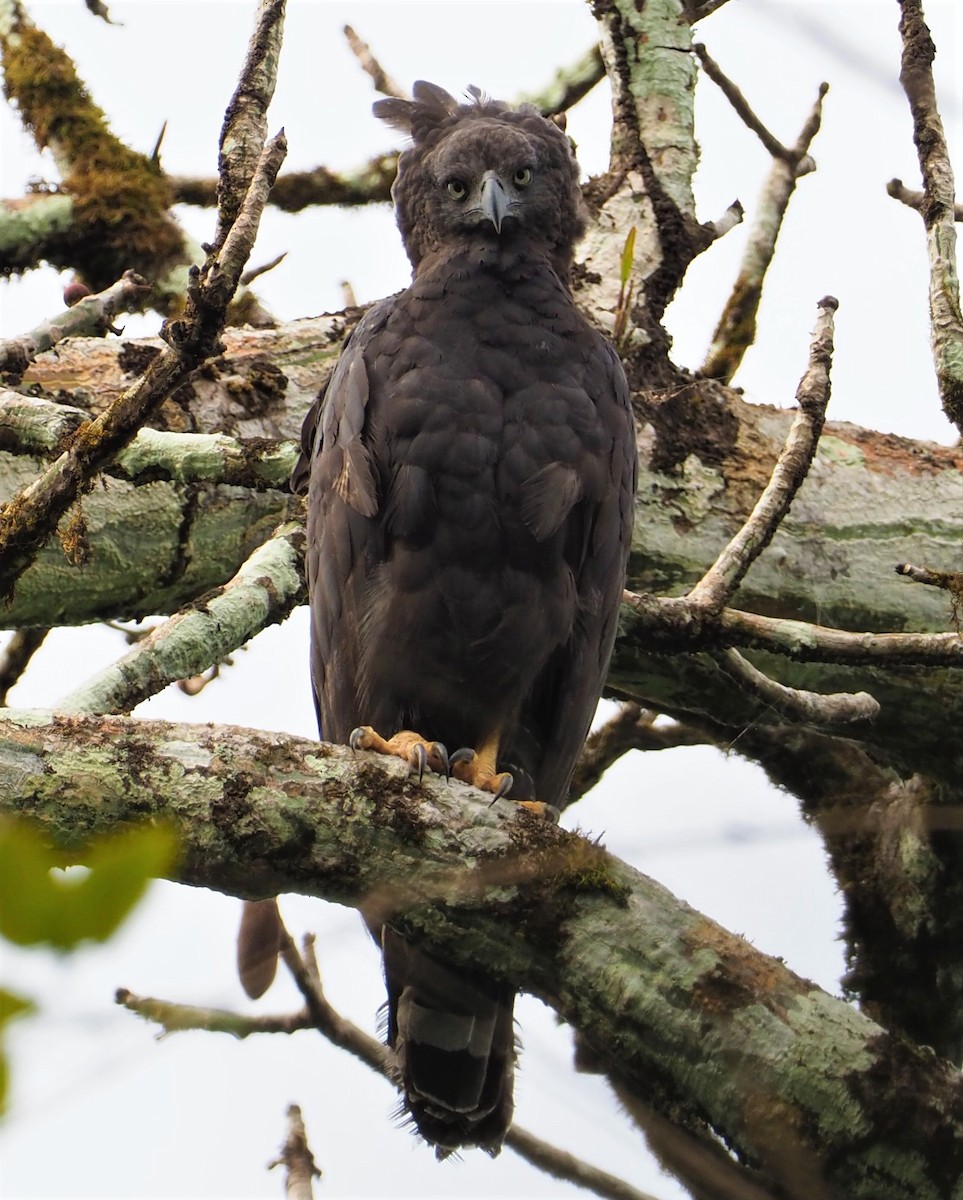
(541, 809)
(417, 751)
(479, 771)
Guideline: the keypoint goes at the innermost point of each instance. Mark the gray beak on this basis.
(494, 199)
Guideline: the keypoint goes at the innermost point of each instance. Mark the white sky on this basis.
(101, 1109)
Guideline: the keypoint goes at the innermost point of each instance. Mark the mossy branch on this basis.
(654, 986)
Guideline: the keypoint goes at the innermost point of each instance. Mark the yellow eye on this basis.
(456, 189)
(522, 177)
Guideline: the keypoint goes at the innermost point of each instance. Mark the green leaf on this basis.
(41, 905)
(628, 255)
(11, 1006)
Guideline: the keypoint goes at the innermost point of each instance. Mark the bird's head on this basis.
(486, 171)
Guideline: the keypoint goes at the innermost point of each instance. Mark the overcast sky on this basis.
(100, 1108)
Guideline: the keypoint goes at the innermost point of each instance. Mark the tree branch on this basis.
(736, 329)
(938, 208)
(382, 81)
(31, 516)
(264, 592)
(244, 804)
(722, 579)
(913, 199)
(296, 1157)
(90, 317)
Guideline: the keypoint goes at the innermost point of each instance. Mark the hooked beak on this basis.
(495, 201)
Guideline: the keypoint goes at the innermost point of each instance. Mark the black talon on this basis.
(465, 754)
(418, 758)
(441, 752)
(505, 786)
(355, 738)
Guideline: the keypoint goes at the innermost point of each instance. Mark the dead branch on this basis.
(736, 329)
(296, 1157)
(912, 199)
(382, 81)
(938, 207)
(724, 576)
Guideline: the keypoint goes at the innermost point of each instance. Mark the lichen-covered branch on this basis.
(937, 210)
(652, 162)
(686, 1014)
(264, 592)
(913, 199)
(90, 317)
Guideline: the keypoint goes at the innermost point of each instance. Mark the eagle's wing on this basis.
(342, 536)
(556, 718)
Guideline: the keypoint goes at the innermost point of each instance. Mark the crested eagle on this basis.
(471, 470)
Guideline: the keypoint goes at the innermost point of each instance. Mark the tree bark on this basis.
(819, 1098)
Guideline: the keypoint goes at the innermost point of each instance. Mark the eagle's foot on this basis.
(471, 767)
(417, 751)
(548, 811)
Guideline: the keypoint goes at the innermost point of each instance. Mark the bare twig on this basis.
(296, 1157)
(951, 580)
(91, 316)
(562, 1165)
(898, 190)
(736, 329)
(937, 209)
(738, 101)
(16, 656)
(677, 626)
(369, 64)
(176, 1018)
(249, 276)
(838, 708)
(719, 583)
(32, 515)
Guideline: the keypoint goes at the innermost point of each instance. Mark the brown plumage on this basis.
(472, 467)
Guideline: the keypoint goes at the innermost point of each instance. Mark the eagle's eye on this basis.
(522, 177)
(456, 189)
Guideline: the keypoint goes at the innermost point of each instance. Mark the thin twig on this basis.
(814, 708)
(937, 209)
(16, 656)
(950, 580)
(719, 583)
(898, 190)
(32, 515)
(736, 328)
(296, 1157)
(741, 105)
(562, 1165)
(382, 81)
(176, 1018)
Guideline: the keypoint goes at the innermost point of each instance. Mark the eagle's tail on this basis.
(454, 1037)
